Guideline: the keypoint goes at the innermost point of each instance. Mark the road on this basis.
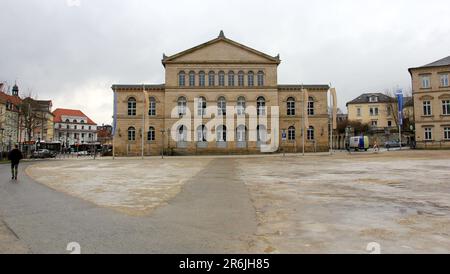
(212, 214)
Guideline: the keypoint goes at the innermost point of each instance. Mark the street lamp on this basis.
(1, 152)
(162, 143)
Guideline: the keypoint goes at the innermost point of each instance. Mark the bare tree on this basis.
(392, 105)
(29, 119)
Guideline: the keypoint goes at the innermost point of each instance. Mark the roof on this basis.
(364, 99)
(408, 101)
(147, 87)
(295, 87)
(221, 37)
(9, 98)
(439, 63)
(59, 112)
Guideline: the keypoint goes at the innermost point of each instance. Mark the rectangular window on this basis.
(426, 108)
(444, 80)
(374, 123)
(428, 134)
(446, 107)
(426, 81)
(389, 123)
(447, 133)
(152, 107)
(358, 112)
(291, 108)
(374, 111)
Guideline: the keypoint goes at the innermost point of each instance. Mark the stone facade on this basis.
(431, 92)
(220, 70)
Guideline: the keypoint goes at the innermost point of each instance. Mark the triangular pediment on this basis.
(221, 50)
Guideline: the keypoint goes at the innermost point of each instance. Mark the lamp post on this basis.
(1, 152)
(162, 143)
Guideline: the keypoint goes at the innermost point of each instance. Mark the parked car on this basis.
(43, 153)
(83, 153)
(392, 144)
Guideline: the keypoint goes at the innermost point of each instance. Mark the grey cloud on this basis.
(74, 54)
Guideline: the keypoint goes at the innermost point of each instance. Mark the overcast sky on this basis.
(72, 51)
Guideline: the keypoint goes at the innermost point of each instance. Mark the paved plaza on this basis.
(231, 204)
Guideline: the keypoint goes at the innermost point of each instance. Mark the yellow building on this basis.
(220, 97)
(431, 92)
(374, 109)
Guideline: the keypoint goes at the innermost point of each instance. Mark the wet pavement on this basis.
(272, 204)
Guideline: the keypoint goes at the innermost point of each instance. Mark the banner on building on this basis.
(400, 107)
(114, 114)
(334, 101)
(305, 108)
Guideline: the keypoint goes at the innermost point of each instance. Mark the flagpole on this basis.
(115, 127)
(303, 121)
(144, 104)
(332, 122)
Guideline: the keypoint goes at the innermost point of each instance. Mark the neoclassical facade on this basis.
(431, 92)
(220, 97)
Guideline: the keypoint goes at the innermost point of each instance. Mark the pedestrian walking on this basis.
(15, 156)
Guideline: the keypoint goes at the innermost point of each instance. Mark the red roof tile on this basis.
(13, 99)
(59, 112)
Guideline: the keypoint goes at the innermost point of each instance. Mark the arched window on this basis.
(182, 134)
(261, 106)
(221, 133)
(82, 121)
(260, 78)
(251, 79)
(291, 133)
(182, 102)
(201, 107)
(290, 106)
(240, 108)
(310, 106)
(75, 121)
(211, 78)
(261, 133)
(310, 133)
(151, 135)
(231, 78)
(131, 106)
(221, 78)
(222, 106)
(241, 78)
(131, 134)
(241, 134)
(67, 121)
(152, 106)
(201, 78)
(182, 79)
(201, 133)
(192, 78)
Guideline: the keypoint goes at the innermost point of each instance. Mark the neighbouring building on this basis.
(37, 125)
(73, 127)
(374, 109)
(380, 112)
(241, 84)
(104, 134)
(9, 117)
(431, 92)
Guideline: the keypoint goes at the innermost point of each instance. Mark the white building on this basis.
(73, 127)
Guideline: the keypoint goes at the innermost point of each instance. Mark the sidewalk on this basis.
(9, 242)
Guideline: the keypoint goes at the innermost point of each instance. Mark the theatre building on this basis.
(220, 97)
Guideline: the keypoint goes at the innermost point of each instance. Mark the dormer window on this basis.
(373, 99)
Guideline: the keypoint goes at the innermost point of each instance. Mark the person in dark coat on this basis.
(15, 156)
